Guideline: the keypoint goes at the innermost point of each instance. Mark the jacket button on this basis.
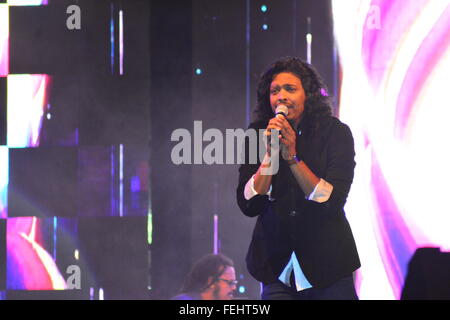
(293, 213)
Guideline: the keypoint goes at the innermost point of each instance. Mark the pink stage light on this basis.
(26, 106)
(27, 2)
(29, 265)
(4, 40)
(4, 180)
(395, 58)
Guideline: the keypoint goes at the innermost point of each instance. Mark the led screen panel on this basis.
(395, 59)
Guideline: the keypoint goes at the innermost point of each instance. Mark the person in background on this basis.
(211, 278)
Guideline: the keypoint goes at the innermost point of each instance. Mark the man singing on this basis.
(302, 245)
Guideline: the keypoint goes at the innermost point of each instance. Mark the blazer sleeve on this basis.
(340, 165)
(257, 204)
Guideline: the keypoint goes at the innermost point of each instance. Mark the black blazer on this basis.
(319, 233)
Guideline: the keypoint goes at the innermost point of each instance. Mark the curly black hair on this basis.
(210, 265)
(317, 102)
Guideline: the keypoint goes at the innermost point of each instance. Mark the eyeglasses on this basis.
(229, 282)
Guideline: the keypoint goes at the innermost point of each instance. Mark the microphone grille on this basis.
(281, 109)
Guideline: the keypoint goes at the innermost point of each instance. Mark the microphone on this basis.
(282, 109)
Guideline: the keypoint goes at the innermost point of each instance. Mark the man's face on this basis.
(286, 88)
(222, 289)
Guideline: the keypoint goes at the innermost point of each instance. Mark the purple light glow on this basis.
(121, 41)
(4, 40)
(29, 265)
(27, 103)
(27, 2)
(395, 75)
(4, 180)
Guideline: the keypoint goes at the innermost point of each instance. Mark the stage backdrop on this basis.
(75, 217)
(395, 60)
(78, 109)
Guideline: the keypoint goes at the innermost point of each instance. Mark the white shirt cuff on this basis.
(250, 192)
(321, 192)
